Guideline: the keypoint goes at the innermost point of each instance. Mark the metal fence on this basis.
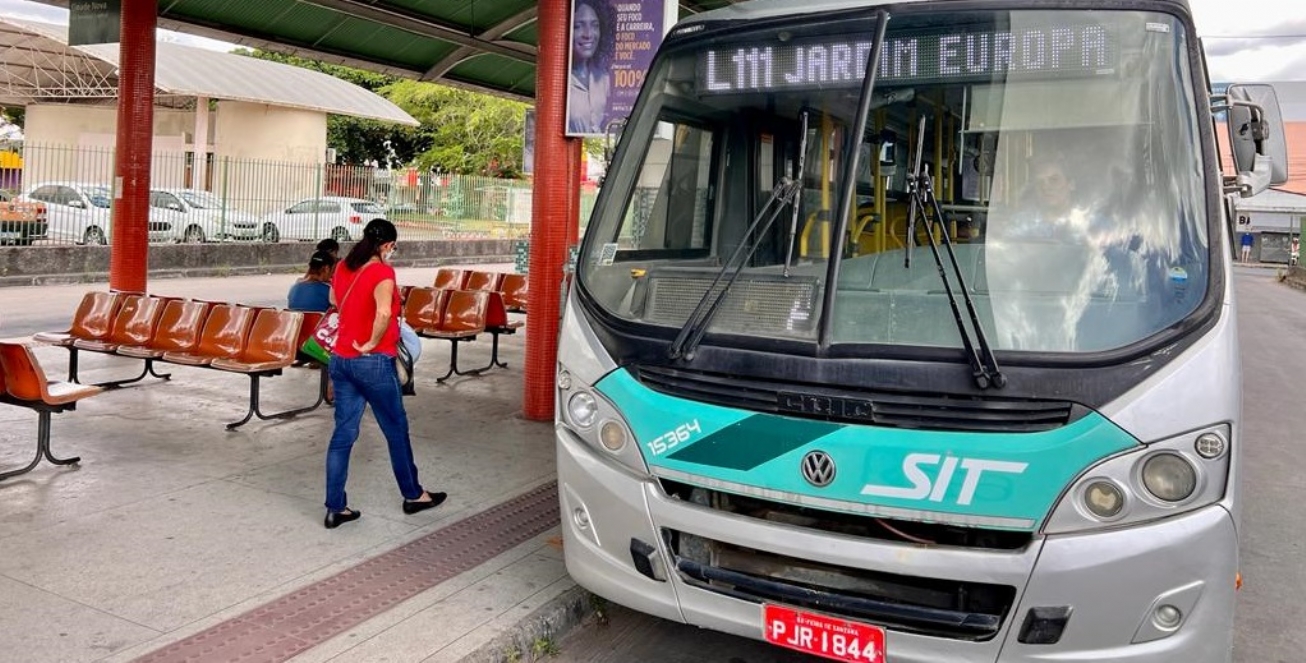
(257, 200)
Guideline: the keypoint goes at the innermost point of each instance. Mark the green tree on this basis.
(470, 133)
(15, 115)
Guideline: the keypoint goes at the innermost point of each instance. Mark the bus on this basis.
(906, 332)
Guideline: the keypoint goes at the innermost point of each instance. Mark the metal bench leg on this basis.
(474, 371)
(112, 384)
(147, 370)
(149, 366)
(494, 354)
(25, 470)
(72, 365)
(453, 364)
(254, 409)
(42, 449)
(253, 400)
(43, 433)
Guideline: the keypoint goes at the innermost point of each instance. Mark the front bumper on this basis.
(240, 233)
(1113, 580)
(23, 230)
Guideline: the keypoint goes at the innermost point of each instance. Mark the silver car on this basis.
(195, 216)
(339, 218)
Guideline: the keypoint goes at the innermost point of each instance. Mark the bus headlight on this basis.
(612, 435)
(582, 409)
(1169, 477)
(588, 416)
(1210, 446)
(1104, 499)
(1153, 481)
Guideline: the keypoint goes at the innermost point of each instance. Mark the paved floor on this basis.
(173, 534)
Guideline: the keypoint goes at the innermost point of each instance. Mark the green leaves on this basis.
(461, 132)
(470, 133)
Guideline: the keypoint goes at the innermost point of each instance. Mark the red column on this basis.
(573, 201)
(129, 252)
(552, 216)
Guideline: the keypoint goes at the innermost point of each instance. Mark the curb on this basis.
(550, 621)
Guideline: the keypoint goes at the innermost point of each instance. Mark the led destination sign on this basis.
(936, 57)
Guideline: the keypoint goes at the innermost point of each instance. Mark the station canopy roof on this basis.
(36, 65)
(485, 45)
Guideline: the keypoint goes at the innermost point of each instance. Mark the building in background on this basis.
(211, 108)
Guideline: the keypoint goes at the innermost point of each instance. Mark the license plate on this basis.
(829, 637)
(11, 234)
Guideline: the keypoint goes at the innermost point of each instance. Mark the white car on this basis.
(79, 212)
(195, 216)
(341, 219)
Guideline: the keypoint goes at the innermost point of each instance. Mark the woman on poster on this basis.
(592, 46)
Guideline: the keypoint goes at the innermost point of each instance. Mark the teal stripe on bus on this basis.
(1016, 477)
(751, 442)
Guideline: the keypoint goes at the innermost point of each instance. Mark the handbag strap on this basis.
(352, 284)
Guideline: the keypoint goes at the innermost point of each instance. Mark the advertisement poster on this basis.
(612, 45)
(94, 21)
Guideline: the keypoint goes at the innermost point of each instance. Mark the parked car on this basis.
(76, 211)
(21, 222)
(79, 212)
(341, 219)
(195, 216)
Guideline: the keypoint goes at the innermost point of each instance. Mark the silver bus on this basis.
(905, 332)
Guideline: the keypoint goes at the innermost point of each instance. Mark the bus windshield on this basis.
(1062, 146)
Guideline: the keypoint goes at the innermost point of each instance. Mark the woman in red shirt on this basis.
(363, 370)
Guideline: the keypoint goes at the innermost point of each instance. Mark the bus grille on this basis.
(929, 606)
(860, 526)
(899, 410)
(770, 305)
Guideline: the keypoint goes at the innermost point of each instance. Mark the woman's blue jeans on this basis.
(368, 380)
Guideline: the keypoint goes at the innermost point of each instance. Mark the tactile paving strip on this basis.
(296, 622)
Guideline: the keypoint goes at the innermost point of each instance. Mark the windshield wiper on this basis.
(984, 366)
(793, 223)
(784, 193)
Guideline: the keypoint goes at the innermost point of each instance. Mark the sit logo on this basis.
(933, 486)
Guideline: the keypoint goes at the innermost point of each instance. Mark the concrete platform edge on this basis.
(551, 622)
(230, 270)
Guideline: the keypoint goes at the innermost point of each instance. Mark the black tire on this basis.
(95, 237)
(271, 234)
(194, 235)
(340, 234)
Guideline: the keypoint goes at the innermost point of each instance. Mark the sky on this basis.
(1246, 40)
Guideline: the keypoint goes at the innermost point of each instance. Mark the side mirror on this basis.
(77, 203)
(1256, 138)
(175, 207)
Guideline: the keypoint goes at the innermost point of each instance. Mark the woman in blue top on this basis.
(313, 291)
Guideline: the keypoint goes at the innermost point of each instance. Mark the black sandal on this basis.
(335, 519)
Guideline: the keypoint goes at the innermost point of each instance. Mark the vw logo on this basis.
(818, 468)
